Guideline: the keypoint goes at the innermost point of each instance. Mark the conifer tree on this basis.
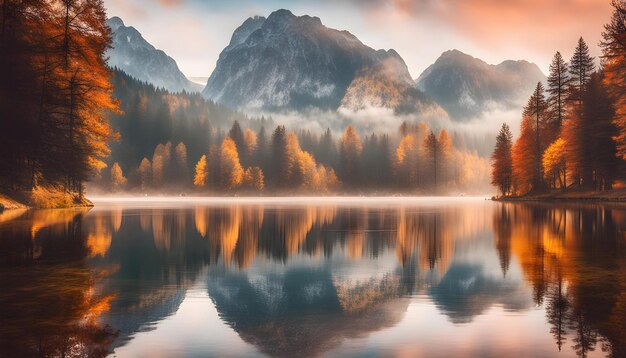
(502, 161)
(580, 68)
(557, 94)
(614, 56)
(536, 108)
(350, 148)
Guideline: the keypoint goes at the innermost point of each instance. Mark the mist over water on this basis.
(313, 277)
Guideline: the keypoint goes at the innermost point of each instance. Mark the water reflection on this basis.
(313, 280)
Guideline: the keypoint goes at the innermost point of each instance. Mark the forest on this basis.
(68, 118)
(573, 131)
(414, 160)
(55, 95)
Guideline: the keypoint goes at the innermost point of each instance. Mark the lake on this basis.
(338, 277)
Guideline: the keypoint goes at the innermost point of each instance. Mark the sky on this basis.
(194, 32)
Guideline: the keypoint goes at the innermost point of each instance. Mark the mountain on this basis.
(467, 87)
(288, 62)
(134, 55)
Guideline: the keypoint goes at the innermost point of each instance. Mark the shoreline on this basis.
(611, 196)
(42, 200)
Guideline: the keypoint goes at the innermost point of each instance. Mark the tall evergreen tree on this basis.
(350, 149)
(580, 68)
(557, 94)
(280, 160)
(502, 161)
(536, 108)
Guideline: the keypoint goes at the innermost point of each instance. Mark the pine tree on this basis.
(236, 134)
(280, 161)
(502, 161)
(580, 68)
(557, 94)
(537, 110)
(433, 150)
(350, 148)
(445, 148)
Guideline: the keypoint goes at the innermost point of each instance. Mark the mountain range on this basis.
(293, 63)
(131, 53)
(466, 86)
(288, 62)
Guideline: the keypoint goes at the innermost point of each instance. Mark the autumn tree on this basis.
(554, 164)
(54, 124)
(118, 180)
(350, 148)
(523, 157)
(558, 81)
(201, 173)
(502, 161)
(614, 56)
(408, 161)
(253, 178)
(144, 174)
(230, 168)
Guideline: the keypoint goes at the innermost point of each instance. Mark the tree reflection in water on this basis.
(301, 279)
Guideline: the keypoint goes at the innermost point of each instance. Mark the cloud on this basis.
(536, 24)
(171, 3)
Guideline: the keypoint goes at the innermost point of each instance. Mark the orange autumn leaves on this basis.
(56, 93)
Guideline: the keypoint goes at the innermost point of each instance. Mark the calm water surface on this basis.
(424, 277)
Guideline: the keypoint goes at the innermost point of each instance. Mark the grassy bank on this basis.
(615, 195)
(41, 198)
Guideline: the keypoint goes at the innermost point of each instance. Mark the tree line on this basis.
(55, 93)
(573, 132)
(416, 160)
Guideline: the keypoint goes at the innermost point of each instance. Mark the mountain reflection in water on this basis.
(469, 277)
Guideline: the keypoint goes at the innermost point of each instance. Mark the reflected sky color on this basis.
(384, 277)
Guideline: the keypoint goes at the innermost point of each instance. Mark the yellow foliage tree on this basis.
(554, 164)
(253, 178)
(230, 167)
(118, 180)
(144, 173)
(407, 160)
(200, 178)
